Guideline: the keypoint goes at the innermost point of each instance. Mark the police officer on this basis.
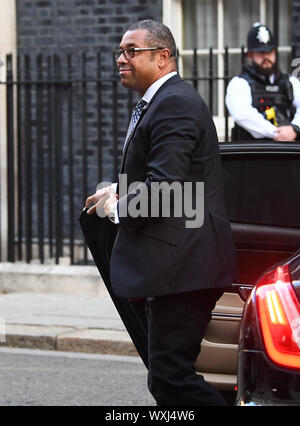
(263, 101)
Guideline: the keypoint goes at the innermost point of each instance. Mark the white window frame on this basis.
(173, 18)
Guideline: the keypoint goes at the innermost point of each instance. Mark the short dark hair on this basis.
(158, 34)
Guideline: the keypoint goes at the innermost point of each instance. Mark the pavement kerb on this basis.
(74, 281)
(66, 339)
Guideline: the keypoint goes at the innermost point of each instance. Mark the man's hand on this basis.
(102, 198)
(285, 134)
(112, 199)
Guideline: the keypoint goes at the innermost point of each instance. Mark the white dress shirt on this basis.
(239, 104)
(150, 92)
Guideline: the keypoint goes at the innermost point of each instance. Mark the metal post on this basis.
(99, 119)
(20, 150)
(84, 143)
(40, 158)
(226, 80)
(242, 58)
(58, 158)
(28, 161)
(70, 155)
(50, 133)
(195, 69)
(211, 80)
(115, 125)
(10, 160)
(276, 20)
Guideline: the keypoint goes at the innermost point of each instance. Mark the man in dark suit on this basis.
(179, 266)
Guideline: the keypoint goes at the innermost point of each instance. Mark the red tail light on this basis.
(279, 314)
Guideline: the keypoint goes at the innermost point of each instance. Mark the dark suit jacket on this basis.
(174, 140)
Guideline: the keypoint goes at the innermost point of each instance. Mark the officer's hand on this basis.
(98, 199)
(285, 134)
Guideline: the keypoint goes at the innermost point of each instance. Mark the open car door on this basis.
(262, 182)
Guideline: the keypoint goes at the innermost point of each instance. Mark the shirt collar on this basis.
(150, 92)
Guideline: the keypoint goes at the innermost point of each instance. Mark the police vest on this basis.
(277, 97)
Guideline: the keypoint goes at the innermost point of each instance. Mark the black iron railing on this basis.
(65, 130)
(64, 133)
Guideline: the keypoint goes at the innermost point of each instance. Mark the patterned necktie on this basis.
(134, 118)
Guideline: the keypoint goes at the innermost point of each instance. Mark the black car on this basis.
(263, 199)
(269, 350)
(262, 182)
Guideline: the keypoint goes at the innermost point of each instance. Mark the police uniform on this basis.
(259, 104)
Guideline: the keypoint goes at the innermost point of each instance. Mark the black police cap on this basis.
(260, 39)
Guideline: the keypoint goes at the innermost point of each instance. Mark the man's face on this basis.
(142, 70)
(264, 62)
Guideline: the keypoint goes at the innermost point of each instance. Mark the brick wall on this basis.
(52, 26)
(296, 26)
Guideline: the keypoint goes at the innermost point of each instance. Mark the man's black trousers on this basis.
(176, 326)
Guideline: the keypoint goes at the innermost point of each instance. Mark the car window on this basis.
(263, 189)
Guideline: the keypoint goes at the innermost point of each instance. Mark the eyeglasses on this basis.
(130, 51)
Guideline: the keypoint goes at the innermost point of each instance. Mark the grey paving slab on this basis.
(79, 311)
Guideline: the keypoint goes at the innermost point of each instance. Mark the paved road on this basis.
(37, 378)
